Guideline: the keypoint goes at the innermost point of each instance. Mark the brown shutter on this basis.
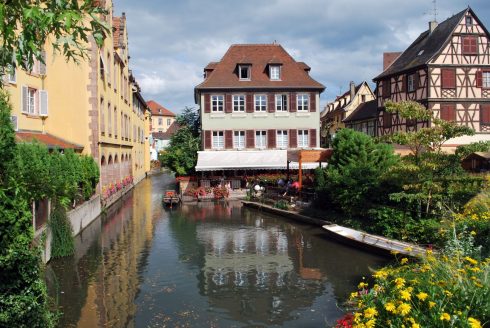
(250, 103)
(448, 112)
(313, 102)
(416, 80)
(271, 106)
(294, 103)
(484, 114)
(312, 133)
(404, 83)
(448, 76)
(293, 138)
(228, 108)
(250, 136)
(207, 103)
(228, 139)
(207, 139)
(479, 79)
(271, 139)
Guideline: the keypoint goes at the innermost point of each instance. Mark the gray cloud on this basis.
(170, 42)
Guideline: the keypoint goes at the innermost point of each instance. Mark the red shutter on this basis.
(479, 79)
(250, 103)
(313, 102)
(207, 139)
(207, 103)
(250, 136)
(448, 76)
(271, 139)
(271, 105)
(448, 113)
(228, 139)
(228, 108)
(293, 138)
(312, 133)
(484, 114)
(293, 102)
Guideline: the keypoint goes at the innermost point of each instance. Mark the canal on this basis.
(202, 265)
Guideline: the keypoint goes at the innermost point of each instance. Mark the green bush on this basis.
(61, 229)
(281, 204)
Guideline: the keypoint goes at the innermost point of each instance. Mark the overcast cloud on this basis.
(170, 42)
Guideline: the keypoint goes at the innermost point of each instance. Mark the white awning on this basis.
(305, 166)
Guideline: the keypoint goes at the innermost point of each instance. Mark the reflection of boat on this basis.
(372, 242)
(171, 198)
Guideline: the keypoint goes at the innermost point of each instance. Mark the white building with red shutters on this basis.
(256, 103)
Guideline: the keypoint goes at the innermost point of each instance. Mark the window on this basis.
(160, 121)
(109, 119)
(218, 140)
(102, 68)
(485, 114)
(281, 103)
(239, 139)
(485, 79)
(470, 45)
(34, 102)
(10, 75)
(411, 83)
(260, 103)
(448, 78)
(115, 122)
(168, 122)
(261, 139)
(102, 119)
(303, 102)
(303, 138)
(31, 101)
(217, 103)
(469, 21)
(275, 72)
(239, 103)
(244, 72)
(282, 139)
(386, 88)
(363, 98)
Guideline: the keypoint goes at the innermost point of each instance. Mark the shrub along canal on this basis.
(202, 265)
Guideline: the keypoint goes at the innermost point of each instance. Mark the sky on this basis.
(171, 41)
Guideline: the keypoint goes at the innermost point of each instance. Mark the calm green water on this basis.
(202, 265)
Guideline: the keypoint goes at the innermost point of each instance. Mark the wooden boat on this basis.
(373, 242)
(171, 198)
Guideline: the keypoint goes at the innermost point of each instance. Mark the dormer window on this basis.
(244, 72)
(275, 72)
(469, 21)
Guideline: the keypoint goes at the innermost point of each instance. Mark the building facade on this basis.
(447, 69)
(161, 118)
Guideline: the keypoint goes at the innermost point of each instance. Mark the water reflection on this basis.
(218, 265)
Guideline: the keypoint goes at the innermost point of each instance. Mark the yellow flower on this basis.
(353, 295)
(448, 293)
(403, 260)
(381, 274)
(394, 252)
(473, 233)
(472, 261)
(422, 296)
(408, 249)
(399, 282)
(370, 312)
(357, 317)
(415, 325)
(474, 323)
(405, 295)
(362, 285)
(431, 305)
(404, 309)
(475, 269)
(390, 307)
(371, 323)
(445, 316)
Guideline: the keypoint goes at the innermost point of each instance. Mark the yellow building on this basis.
(93, 107)
(161, 118)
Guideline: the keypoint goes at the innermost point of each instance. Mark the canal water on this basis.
(202, 265)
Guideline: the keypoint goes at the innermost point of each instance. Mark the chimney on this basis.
(389, 58)
(432, 26)
(352, 90)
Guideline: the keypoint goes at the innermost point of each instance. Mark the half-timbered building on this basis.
(447, 69)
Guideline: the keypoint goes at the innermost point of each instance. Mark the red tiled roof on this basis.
(158, 110)
(48, 139)
(224, 75)
(167, 134)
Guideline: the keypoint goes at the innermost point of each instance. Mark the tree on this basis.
(463, 151)
(26, 27)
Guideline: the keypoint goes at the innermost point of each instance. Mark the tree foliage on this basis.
(463, 151)
(26, 26)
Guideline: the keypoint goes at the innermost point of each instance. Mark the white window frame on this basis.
(218, 140)
(168, 122)
(303, 102)
(261, 139)
(249, 73)
(303, 138)
(239, 103)
(280, 106)
(485, 79)
(282, 139)
(275, 72)
(239, 139)
(260, 103)
(217, 103)
(411, 82)
(32, 96)
(160, 121)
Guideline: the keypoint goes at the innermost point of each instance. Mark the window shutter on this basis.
(312, 102)
(207, 139)
(13, 119)
(250, 104)
(228, 139)
(271, 106)
(387, 122)
(293, 138)
(404, 83)
(479, 79)
(250, 135)
(312, 133)
(448, 78)
(25, 99)
(43, 103)
(271, 139)
(294, 103)
(207, 103)
(416, 80)
(42, 63)
(448, 113)
(228, 108)
(484, 114)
